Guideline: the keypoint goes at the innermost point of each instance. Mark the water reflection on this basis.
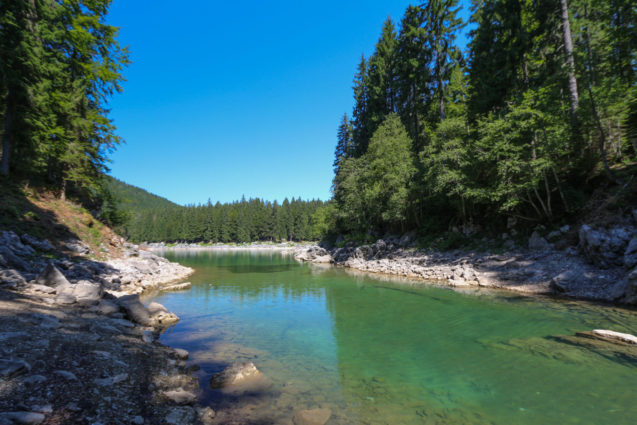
(378, 351)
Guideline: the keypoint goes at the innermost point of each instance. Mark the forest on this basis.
(543, 100)
(150, 218)
(520, 125)
(60, 63)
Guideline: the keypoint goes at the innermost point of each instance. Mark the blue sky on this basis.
(225, 99)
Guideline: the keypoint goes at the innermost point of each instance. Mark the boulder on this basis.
(180, 396)
(160, 316)
(83, 291)
(52, 276)
(77, 247)
(565, 280)
(135, 310)
(313, 417)
(11, 241)
(65, 299)
(106, 307)
(42, 245)
(538, 243)
(11, 278)
(181, 354)
(206, 415)
(605, 247)
(240, 377)
(630, 255)
(12, 260)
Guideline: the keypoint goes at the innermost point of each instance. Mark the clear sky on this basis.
(225, 99)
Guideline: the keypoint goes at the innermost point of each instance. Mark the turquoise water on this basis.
(379, 351)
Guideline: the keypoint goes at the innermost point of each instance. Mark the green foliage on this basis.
(372, 191)
(154, 219)
(513, 129)
(59, 65)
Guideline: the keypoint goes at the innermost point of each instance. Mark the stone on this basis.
(605, 247)
(206, 415)
(12, 260)
(554, 235)
(11, 278)
(177, 287)
(77, 247)
(112, 380)
(565, 229)
(240, 377)
(180, 396)
(613, 336)
(565, 280)
(65, 299)
(630, 255)
(34, 379)
(181, 354)
(42, 245)
(70, 376)
(538, 243)
(52, 276)
(84, 291)
(181, 416)
(12, 368)
(42, 288)
(313, 417)
(148, 337)
(137, 420)
(155, 308)
(135, 310)
(106, 307)
(25, 418)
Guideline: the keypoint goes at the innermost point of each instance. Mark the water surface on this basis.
(378, 351)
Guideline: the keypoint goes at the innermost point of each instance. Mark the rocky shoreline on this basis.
(602, 267)
(78, 346)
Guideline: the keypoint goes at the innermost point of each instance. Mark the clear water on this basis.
(378, 351)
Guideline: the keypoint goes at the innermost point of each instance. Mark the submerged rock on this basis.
(178, 287)
(240, 377)
(313, 417)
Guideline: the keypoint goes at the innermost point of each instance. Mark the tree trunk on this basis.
(570, 61)
(6, 143)
(63, 190)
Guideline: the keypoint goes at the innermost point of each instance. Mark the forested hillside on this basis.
(151, 218)
(59, 65)
(540, 109)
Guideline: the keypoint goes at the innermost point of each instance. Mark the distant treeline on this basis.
(151, 218)
(242, 221)
(543, 100)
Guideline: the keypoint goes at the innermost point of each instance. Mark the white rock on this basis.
(615, 336)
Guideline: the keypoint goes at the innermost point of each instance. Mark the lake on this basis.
(377, 350)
